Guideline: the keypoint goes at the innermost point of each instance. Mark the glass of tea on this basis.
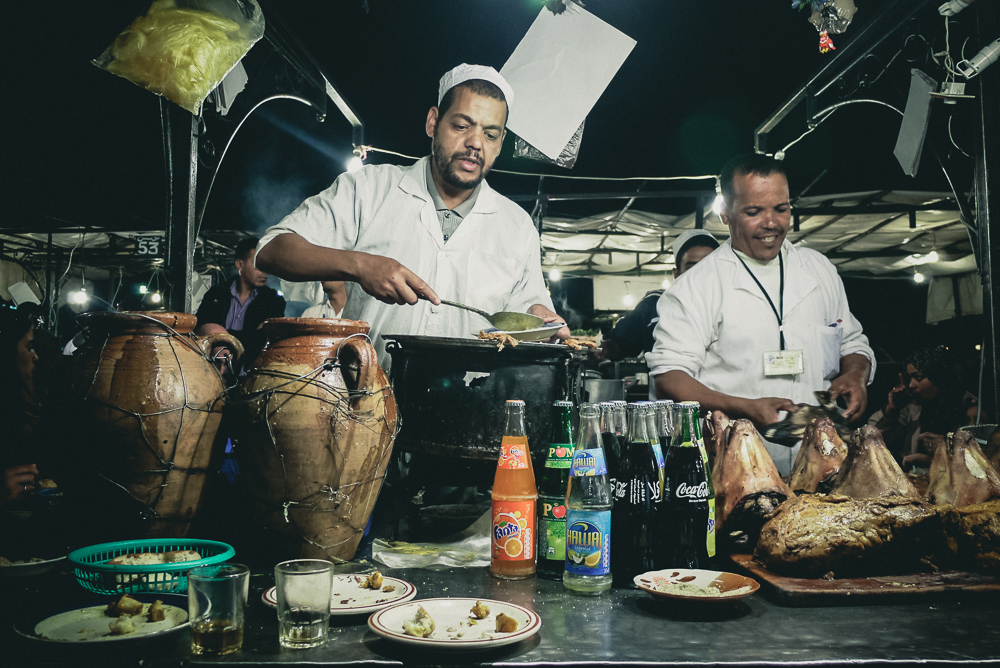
(217, 601)
(303, 592)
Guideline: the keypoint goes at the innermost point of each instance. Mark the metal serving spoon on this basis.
(505, 321)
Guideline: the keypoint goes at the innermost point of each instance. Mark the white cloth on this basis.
(323, 310)
(492, 262)
(715, 325)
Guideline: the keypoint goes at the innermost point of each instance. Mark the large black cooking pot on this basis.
(451, 392)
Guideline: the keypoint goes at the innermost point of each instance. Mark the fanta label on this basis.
(588, 542)
(513, 456)
(589, 462)
(512, 535)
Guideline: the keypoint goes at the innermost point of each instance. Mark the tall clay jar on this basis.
(314, 426)
(146, 401)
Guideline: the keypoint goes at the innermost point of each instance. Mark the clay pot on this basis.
(314, 431)
(147, 402)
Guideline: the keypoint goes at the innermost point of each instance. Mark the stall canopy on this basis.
(884, 234)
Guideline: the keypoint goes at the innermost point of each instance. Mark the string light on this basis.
(156, 297)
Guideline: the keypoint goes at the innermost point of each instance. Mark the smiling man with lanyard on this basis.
(759, 324)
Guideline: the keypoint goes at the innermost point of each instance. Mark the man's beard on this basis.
(446, 167)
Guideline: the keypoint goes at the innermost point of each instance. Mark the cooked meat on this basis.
(502, 338)
(992, 450)
(975, 535)
(870, 471)
(819, 458)
(960, 474)
(717, 425)
(815, 534)
(747, 487)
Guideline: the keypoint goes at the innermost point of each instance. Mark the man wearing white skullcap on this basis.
(396, 234)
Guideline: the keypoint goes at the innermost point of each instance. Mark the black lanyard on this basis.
(779, 312)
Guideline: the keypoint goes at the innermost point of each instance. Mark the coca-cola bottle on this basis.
(700, 442)
(685, 502)
(612, 427)
(635, 515)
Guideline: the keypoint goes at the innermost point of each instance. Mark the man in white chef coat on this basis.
(759, 324)
(435, 228)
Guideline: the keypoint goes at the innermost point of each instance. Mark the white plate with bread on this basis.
(455, 623)
(151, 615)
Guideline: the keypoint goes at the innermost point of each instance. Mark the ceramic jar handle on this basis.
(209, 341)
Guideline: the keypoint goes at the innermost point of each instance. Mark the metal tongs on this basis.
(791, 430)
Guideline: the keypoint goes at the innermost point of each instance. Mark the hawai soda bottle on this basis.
(588, 516)
(512, 550)
(552, 486)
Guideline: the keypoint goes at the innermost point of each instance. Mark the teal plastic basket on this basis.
(95, 574)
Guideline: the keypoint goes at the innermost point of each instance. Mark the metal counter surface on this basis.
(622, 628)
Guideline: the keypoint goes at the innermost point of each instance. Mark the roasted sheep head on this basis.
(960, 474)
(819, 458)
(870, 471)
(748, 488)
(717, 426)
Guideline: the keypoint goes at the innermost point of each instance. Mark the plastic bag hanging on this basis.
(182, 49)
(567, 157)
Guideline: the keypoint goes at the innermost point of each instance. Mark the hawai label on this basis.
(552, 527)
(658, 451)
(588, 542)
(560, 456)
(514, 454)
(512, 533)
(588, 462)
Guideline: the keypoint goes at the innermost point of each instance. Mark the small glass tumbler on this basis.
(303, 591)
(217, 601)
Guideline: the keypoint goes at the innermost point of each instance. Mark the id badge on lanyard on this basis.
(779, 362)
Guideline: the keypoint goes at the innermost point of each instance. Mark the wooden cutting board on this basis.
(867, 591)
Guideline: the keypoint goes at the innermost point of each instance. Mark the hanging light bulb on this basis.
(918, 277)
(718, 205)
(933, 256)
(628, 299)
(665, 283)
(358, 160)
(143, 289)
(555, 275)
(78, 296)
(156, 297)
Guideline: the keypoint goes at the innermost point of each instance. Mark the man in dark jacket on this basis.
(240, 306)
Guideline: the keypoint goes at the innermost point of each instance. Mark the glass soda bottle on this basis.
(552, 494)
(700, 441)
(612, 427)
(512, 549)
(685, 502)
(588, 512)
(653, 435)
(635, 515)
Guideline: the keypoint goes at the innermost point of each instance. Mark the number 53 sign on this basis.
(148, 246)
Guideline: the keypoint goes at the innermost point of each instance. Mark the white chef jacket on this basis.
(492, 261)
(323, 310)
(715, 325)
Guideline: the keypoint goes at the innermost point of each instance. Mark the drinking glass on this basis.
(217, 601)
(303, 591)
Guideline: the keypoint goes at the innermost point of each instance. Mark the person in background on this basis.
(394, 232)
(241, 305)
(18, 402)
(928, 402)
(633, 334)
(759, 324)
(333, 305)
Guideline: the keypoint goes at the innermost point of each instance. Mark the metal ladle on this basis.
(505, 321)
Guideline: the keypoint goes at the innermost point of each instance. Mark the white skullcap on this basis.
(466, 72)
(681, 243)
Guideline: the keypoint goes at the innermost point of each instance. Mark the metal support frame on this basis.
(988, 193)
(180, 145)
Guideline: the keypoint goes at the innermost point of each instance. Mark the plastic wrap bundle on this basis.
(182, 49)
(567, 157)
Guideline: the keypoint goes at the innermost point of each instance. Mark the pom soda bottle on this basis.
(588, 516)
(552, 494)
(512, 553)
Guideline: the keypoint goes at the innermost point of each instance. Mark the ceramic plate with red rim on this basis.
(350, 598)
(455, 625)
(696, 585)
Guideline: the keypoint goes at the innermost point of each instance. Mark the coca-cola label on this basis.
(589, 462)
(696, 492)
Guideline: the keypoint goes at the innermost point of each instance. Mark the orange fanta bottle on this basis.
(512, 553)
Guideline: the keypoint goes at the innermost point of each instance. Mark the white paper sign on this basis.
(558, 72)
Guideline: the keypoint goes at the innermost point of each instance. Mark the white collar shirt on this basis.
(492, 262)
(716, 325)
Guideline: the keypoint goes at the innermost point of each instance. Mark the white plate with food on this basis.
(537, 334)
(455, 623)
(359, 594)
(96, 623)
(704, 586)
(32, 566)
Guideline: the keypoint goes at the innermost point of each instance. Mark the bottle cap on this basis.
(561, 404)
(515, 402)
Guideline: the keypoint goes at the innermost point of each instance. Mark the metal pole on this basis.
(180, 143)
(987, 189)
